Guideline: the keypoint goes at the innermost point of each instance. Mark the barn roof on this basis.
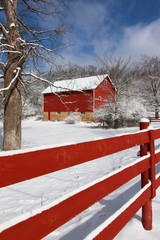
(78, 84)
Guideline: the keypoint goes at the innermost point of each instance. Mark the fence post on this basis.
(153, 167)
(147, 207)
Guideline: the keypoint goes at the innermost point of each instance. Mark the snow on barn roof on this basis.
(78, 84)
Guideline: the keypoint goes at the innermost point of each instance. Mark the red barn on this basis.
(82, 95)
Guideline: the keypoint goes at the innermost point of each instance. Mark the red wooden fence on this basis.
(154, 119)
(22, 166)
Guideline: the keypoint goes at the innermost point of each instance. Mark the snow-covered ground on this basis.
(23, 198)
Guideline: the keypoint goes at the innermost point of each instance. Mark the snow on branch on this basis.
(43, 47)
(48, 82)
(18, 70)
(4, 31)
(7, 46)
(10, 51)
(38, 78)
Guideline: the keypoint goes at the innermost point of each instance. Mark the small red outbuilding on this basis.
(82, 95)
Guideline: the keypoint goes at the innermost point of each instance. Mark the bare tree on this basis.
(116, 67)
(148, 72)
(120, 73)
(73, 71)
(28, 33)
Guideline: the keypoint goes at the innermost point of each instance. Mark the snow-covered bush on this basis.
(72, 118)
(126, 112)
(32, 107)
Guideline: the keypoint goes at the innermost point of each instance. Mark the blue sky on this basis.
(127, 28)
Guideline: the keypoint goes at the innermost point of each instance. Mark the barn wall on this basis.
(45, 116)
(53, 116)
(58, 107)
(69, 102)
(103, 93)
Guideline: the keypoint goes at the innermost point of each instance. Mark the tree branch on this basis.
(7, 46)
(13, 80)
(25, 26)
(48, 82)
(38, 78)
(2, 65)
(38, 11)
(4, 31)
(35, 31)
(40, 56)
(43, 47)
(24, 57)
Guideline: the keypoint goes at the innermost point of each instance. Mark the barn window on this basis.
(105, 81)
(100, 98)
(83, 113)
(68, 113)
(58, 113)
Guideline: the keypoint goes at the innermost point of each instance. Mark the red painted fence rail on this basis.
(154, 119)
(22, 166)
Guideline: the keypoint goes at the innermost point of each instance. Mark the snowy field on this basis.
(24, 198)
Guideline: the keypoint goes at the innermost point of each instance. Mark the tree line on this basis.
(133, 80)
(137, 88)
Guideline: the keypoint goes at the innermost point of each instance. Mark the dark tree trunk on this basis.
(12, 113)
(12, 96)
(156, 113)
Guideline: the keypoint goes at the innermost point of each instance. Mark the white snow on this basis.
(12, 25)
(146, 120)
(22, 200)
(115, 215)
(78, 84)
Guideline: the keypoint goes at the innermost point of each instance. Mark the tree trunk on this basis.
(157, 113)
(156, 106)
(12, 114)
(12, 97)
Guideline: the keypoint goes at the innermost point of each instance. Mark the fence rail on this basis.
(154, 119)
(22, 166)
